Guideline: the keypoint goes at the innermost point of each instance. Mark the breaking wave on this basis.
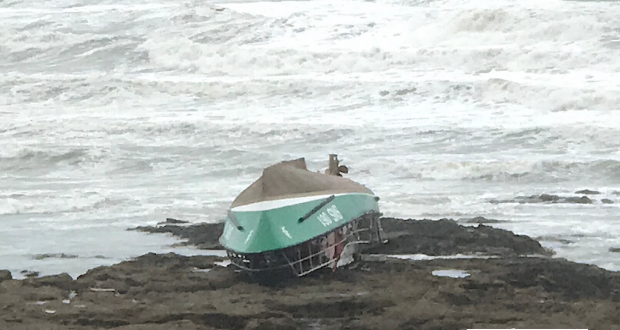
(517, 171)
(29, 159)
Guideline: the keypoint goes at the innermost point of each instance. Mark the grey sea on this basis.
(115, 114)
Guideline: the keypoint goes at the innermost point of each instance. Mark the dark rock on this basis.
(587, 192)
(30, 273)
(480, 220)
(554, 239)
(572, 280)
(282, 323)
(614, 250)
(578, 200)
(446, 237)
(128, 278)
(172, 221)
(63, 281)
(100, 323)
(330, 307)
(202, 235)
(54, 255)
(545, 198)
(5, 275)
(432, 324)
(165, 294)
(43, 293)
(607, 201)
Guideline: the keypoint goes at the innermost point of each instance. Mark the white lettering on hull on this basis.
(330, 216)
(286, 233)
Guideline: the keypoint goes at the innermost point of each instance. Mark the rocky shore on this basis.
(512, 283)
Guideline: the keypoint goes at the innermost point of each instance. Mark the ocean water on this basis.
(115, 114)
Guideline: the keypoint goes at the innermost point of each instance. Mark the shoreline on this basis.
(506, 287)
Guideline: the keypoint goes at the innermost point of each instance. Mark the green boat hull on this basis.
(278, 224)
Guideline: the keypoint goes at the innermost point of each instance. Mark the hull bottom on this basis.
(325, 250)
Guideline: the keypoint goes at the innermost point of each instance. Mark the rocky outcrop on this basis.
(54, 255)
(545, 198)
(557, 199)
(190, 293)
(587, 192)
(442, 237)
(447, 237)
(202, 235)
(480, 220)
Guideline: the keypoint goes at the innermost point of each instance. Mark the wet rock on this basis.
(480, 220)
(54, 255)
(578, 200)
(202, 235)
(176, 325)
(607, 201)
(166, 294)
(571, 280)
(587, 192)
(554, 239)
(129, 278)
(172, 221)
(614, 249)
(446, 237)
(416, 323)
(545, 198)
(272, 324)
(42, 295)
(5, 275)
(29, 273)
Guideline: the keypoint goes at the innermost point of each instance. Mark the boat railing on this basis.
(311, 255)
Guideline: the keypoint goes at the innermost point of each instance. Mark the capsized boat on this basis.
(298, 220)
